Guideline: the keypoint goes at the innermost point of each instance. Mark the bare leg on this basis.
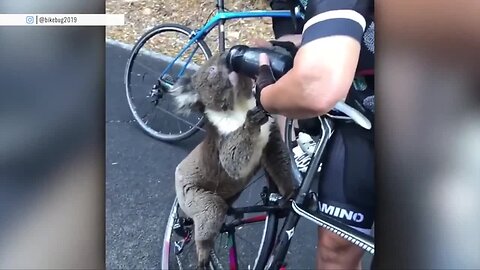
(334, 252)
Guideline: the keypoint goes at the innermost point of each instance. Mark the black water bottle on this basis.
(245, 60)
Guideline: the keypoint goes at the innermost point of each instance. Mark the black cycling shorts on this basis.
(346, 189)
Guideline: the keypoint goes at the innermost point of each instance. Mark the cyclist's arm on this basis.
(325, 64)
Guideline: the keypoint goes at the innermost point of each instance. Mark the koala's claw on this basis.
(257, 116)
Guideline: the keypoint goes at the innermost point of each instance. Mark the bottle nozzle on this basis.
(233, 53)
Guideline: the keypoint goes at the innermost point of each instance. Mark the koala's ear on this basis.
(185, 95)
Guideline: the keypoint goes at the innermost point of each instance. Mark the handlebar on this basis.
(354, 114)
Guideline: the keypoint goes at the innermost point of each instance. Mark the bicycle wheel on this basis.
(147, 81)
(253, 241)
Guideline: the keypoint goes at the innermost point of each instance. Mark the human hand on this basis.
(265, 77)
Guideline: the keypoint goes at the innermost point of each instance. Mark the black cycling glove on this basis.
(265, 74)
(265, 78)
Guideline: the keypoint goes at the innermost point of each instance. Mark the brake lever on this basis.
(354, 114)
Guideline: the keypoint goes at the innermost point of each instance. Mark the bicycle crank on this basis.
(182, 229)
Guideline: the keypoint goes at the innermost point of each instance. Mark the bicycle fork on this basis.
(276, 259)
(279, 252)
(281, 247)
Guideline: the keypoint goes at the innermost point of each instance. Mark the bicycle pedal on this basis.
(275, 197)
(282, 202)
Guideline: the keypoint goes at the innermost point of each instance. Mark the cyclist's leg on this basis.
(334, 252)
(346, 192)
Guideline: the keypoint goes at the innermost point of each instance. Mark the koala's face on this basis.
(212, 87)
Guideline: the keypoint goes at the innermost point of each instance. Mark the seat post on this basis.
(220, 5)
(221, 26)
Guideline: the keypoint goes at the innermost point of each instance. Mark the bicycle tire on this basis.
(167, 27)
(266, 244)
(269, 235)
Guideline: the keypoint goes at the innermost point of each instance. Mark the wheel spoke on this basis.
(178, 124)
(181, 119)
(149, 111)
(254, 181)
(148, 68)
(245, 240)
(179, 128)
(158, 48)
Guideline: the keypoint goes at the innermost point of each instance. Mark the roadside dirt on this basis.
(141, 15)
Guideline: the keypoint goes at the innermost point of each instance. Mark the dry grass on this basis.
(141, 15)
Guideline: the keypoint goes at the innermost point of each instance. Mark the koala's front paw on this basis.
(257, 116)
(290, 192)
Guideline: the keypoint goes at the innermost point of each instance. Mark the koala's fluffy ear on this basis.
(185, 96)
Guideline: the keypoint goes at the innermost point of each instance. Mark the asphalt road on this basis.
(140, 189)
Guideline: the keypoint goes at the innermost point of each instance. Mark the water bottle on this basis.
(245, 60)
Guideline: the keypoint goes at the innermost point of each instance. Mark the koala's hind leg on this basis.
(276, 162)
(208, 212)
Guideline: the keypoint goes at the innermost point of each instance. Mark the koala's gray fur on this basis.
(239, 141)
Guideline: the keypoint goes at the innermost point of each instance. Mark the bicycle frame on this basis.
(279, 251)
(219, 20)
(297, 204)
(298, 210)
(230, 230)
(286, 233)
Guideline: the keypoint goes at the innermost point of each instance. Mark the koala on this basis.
(240, 140)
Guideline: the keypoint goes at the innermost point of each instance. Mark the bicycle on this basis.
(156, 92)
(272, 249)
